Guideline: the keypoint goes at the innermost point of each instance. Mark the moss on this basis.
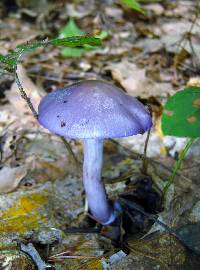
(25, 214)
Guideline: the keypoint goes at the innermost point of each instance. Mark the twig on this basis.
(144, 158)
(67, 255)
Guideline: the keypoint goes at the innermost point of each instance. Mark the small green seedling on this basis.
(132, 4)
(181, 118)
(70, 30)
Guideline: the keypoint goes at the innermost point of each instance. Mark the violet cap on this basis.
(93, 109)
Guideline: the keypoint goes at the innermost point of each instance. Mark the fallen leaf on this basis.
(194, 81)
(156, 8)
(11, 177)
(20, 107)
(135, 81)
(163, 249)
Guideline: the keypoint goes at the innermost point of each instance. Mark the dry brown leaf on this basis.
(156, 8)
(135, 82)
(11, 177)
(194, 81)
(20, 107)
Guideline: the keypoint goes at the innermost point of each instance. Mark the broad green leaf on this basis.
(133, 4)
(73, 36)
(181, 115)
(73, 52)
(71, 29)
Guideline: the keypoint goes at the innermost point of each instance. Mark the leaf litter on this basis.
(147, 60)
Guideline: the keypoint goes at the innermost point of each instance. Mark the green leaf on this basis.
(133, 4)
(83, 44)
(72, 36)
(181, 115)
(73, 52)
(76, 41)
(9, 59)
(71, 29)
(30, 46)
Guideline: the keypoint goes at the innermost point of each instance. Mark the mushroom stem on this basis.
(94, 187)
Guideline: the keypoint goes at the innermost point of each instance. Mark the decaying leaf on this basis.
(194, 81)
(134, 80)
(163, 250)
(11, 177)
(19, 105)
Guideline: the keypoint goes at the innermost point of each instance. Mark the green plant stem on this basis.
(144, 158)
(178, 165)
(69, 149)
(24, 95)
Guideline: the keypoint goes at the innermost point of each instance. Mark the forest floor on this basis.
(151, 56)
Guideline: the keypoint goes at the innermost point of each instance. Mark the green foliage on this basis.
(30, 46)
(177, 166)
(181, 115)
(181, 118)
(10, 61)
(71, 30)
(76, 41)
(133, 4)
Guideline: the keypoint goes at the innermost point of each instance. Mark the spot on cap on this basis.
(93, 109)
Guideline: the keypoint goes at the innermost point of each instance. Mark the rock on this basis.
(150, 45)
(48, 236)
(23, 211)
(114, 12)
(15, 260)
(190, 235)
(195, 213)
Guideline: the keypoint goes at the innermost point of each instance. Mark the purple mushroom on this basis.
(93, 111)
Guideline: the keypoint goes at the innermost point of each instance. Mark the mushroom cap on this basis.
(93, 109)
